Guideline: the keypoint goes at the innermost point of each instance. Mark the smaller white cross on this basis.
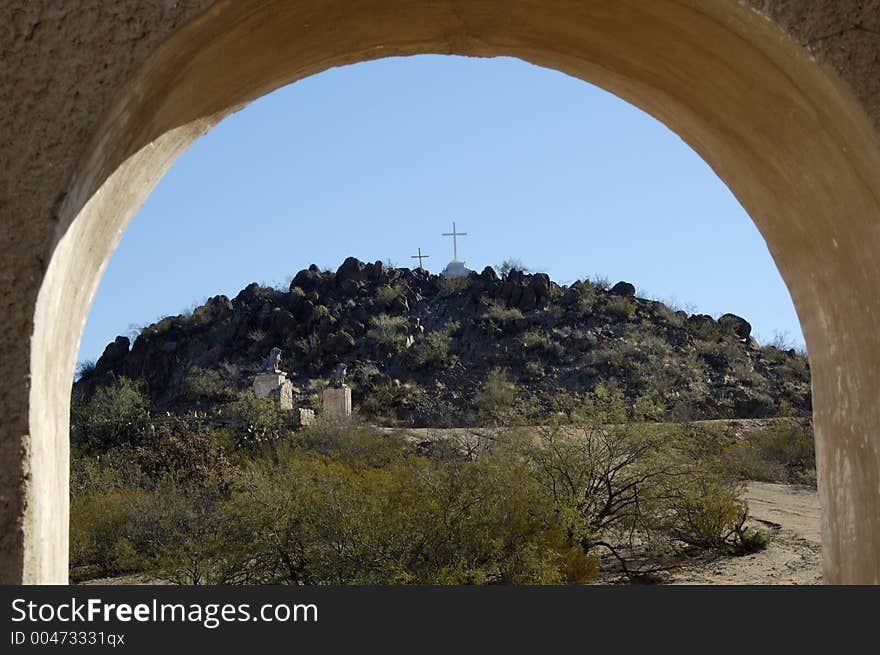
(420, 256)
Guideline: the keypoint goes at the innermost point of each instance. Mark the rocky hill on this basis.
(421, 348)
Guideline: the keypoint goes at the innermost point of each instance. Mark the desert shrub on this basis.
(183, 534)
(308, 519)
(499, 313)
(707, 509)
(346, 503)
(451, 286)
(355, 443)
(84, 369)
(601, 282)
(434, 349)
(719, 354)
(783, 451)
(154, 508)
(100, 521)
(587, 295)
(620, 308)
(704, 330)
(538, 342)
(187, 455)
(496, 399)
(388, 331)
(255, 420)
(534, 369)
(633, 491)
(116, 414)
(382, 403)
(320, 312)
(309, 346)
(796, 367)
(511, 264)
(668, 312)
(781, 341)
(388, 294)
(257, 335)
(208, 386)
(743, 371)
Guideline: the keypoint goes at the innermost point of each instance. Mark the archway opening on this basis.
(366, 161)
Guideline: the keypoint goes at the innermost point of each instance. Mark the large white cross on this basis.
(454, 234)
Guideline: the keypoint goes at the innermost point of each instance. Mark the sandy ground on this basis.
(789, 515)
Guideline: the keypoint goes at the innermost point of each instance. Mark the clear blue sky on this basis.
(377, 159)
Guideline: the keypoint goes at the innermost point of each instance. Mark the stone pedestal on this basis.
(275, 386)
(303, 417)
(337, 402)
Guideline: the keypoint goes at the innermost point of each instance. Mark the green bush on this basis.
(587, 295)
(707, 510)
(783, 451)
(84, 369)
(500, 313)
(255, 420)
(621, 308)
(100, 520)
(349, 504)
(537, 342)
(511, 264)
(413, 521)
(208, 386)
(388, 294)
(434, 349)
(116, 414)
(388, 331)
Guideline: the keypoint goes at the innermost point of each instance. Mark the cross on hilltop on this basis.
(420, 256)
(454, 234)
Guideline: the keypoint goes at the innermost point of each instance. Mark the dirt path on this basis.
(789, 515)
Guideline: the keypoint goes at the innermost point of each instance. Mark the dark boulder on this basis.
(351, 269)
(399, 305)
(215, 309)
(624, 289)
(701, 323)
(528, 300)
(540, 285)
(303, 311)
(307, 279)
(252, 295)
(506, 291)
(113, 355)
(349, 287)
(339, 343)
(736, 324)
(283, 322)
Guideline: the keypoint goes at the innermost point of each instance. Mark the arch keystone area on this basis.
(781, 98)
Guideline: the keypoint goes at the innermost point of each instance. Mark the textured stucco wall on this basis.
(843, 35)
(62, 65)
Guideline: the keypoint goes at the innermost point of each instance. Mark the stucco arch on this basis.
(797, 145)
